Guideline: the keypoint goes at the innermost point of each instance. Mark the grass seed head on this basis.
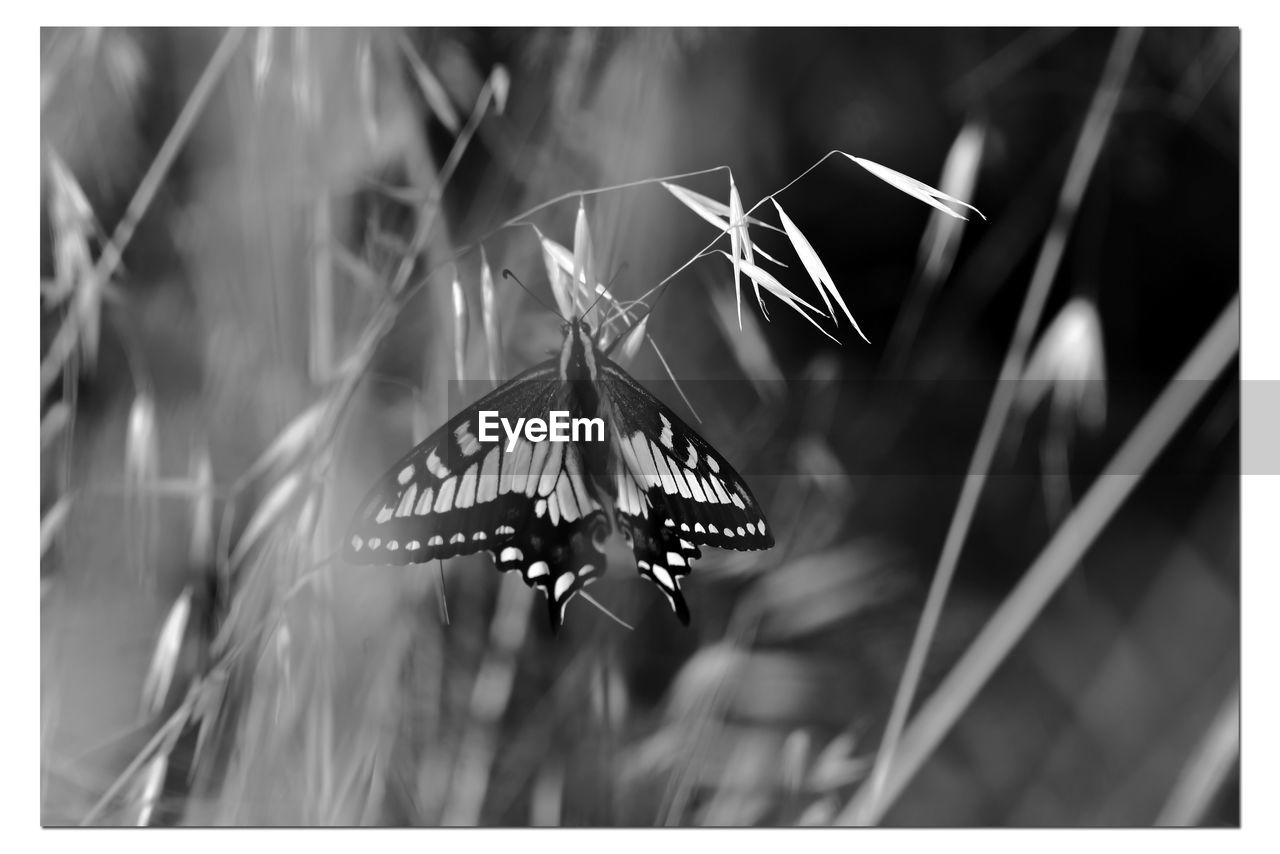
(168, 650)
(1068, 362)
(917, 189)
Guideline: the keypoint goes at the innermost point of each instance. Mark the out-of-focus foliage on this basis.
(285, 323)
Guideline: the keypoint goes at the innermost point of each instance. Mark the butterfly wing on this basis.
(674, 491)
(452, 495)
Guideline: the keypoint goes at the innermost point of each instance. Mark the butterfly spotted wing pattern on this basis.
(532, 507)
(536, 508)
(674, 491)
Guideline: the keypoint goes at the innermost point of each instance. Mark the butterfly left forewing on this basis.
(451, 494)
(531, 507)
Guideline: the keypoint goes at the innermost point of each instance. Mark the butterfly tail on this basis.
(662, 555)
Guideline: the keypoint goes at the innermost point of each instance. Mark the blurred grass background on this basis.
(217, 397)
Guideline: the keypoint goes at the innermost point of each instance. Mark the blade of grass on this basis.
(939, 243)
(490, 695)
(1085, 157)
(461, 326)
(816, 269)
(113, 253)
(917, 189)
(1206, 769)
(489, 318)
(432, 92)
(1053, 566)
(323, 327)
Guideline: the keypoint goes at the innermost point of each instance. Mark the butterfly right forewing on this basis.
(673, 491)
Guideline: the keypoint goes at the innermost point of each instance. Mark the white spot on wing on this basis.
(406, 500)
(675, 559)
(413, 545)
(424, 503)
(444, 500)
(406, 474)
(535, 467)
(692, 461)
(437, 540)
(511, 553)
(664, 578)
(563, 583)
(436, 467)
(696, 487)
(567, 501)
(538, 569)
(551, 469)
(712, 464)
(516, 474)
(666, 437)
(393, 546)
(457, 538)
(384, 514)
(374, 542)
(645, 466)
(357, 542)
(487, 489)
(466, 488)
(467, 441)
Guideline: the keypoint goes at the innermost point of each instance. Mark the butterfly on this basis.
(539, 507)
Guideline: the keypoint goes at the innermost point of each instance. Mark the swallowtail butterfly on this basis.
(539, 508)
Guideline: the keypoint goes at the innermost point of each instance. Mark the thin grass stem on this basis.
(1052, 567)
(1080, 169)
(1207, 768)
(168, 153)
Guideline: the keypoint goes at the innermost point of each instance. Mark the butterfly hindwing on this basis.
(662, 556)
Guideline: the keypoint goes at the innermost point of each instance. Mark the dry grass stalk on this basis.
(1089, 144)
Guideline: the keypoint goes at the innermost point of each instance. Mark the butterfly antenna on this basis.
(604, 290)
(585, 595)
(507, 274)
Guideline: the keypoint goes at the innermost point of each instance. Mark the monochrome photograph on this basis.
(640, 427)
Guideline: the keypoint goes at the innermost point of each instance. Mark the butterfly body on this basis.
(540, 507)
